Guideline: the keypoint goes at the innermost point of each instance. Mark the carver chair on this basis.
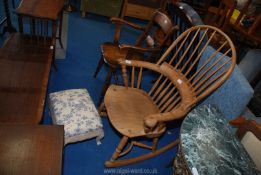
(186, 74)
(153, 38)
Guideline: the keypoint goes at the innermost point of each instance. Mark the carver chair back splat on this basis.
(204, 62)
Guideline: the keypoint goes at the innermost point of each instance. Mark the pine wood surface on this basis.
(185, 77)
(125, 109)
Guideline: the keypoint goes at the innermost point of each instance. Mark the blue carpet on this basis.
(76, 71)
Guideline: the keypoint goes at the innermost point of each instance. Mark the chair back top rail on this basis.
(165, 26)
(189, 54)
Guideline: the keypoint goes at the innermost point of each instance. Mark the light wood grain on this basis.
(185, 77)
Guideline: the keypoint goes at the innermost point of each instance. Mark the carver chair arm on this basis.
(139, 49)
(119, 23)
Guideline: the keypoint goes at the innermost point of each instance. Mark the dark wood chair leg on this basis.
(13, 3)
(116, 79)
(101, 62)
(9, 28)
(106, 84)
(54, 28)
(69, 7)
(60, 30)
(53, 62)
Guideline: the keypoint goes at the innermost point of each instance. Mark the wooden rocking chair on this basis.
(187, 78)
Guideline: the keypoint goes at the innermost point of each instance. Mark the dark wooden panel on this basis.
(31, 149)
(24, 71)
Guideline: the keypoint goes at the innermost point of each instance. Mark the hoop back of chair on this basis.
(157, 31)
(194, 58)
(184, 16)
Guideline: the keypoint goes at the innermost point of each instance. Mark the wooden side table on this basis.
(31, 149)
(44, 11)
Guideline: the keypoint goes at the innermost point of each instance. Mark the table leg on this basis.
(69, 7)
(124, 7)
(9, 28)
(54, 29)
(13, 3)
(33, 26)
(20, 24)
(60, 30)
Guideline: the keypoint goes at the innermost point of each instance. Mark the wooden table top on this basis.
(24, 74)
(31, 149)
(48, 9)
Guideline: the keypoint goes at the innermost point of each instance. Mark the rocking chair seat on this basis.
(127, 107)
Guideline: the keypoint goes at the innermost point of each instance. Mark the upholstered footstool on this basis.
(76, 111)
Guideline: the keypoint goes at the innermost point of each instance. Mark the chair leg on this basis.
(116, 77)
(101, 110)
(13, 3)
(54, 64)
(106, 84)
(120, 147)
(83, 14)
(53, 60)
(101, 62)
(60, 30)
(155, 144)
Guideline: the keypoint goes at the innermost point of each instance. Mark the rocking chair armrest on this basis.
(119, 21)
(151, 121)
(139, 49)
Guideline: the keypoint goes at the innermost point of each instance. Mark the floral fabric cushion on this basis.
(75, 110)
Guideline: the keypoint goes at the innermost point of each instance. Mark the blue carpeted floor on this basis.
(76, 71)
